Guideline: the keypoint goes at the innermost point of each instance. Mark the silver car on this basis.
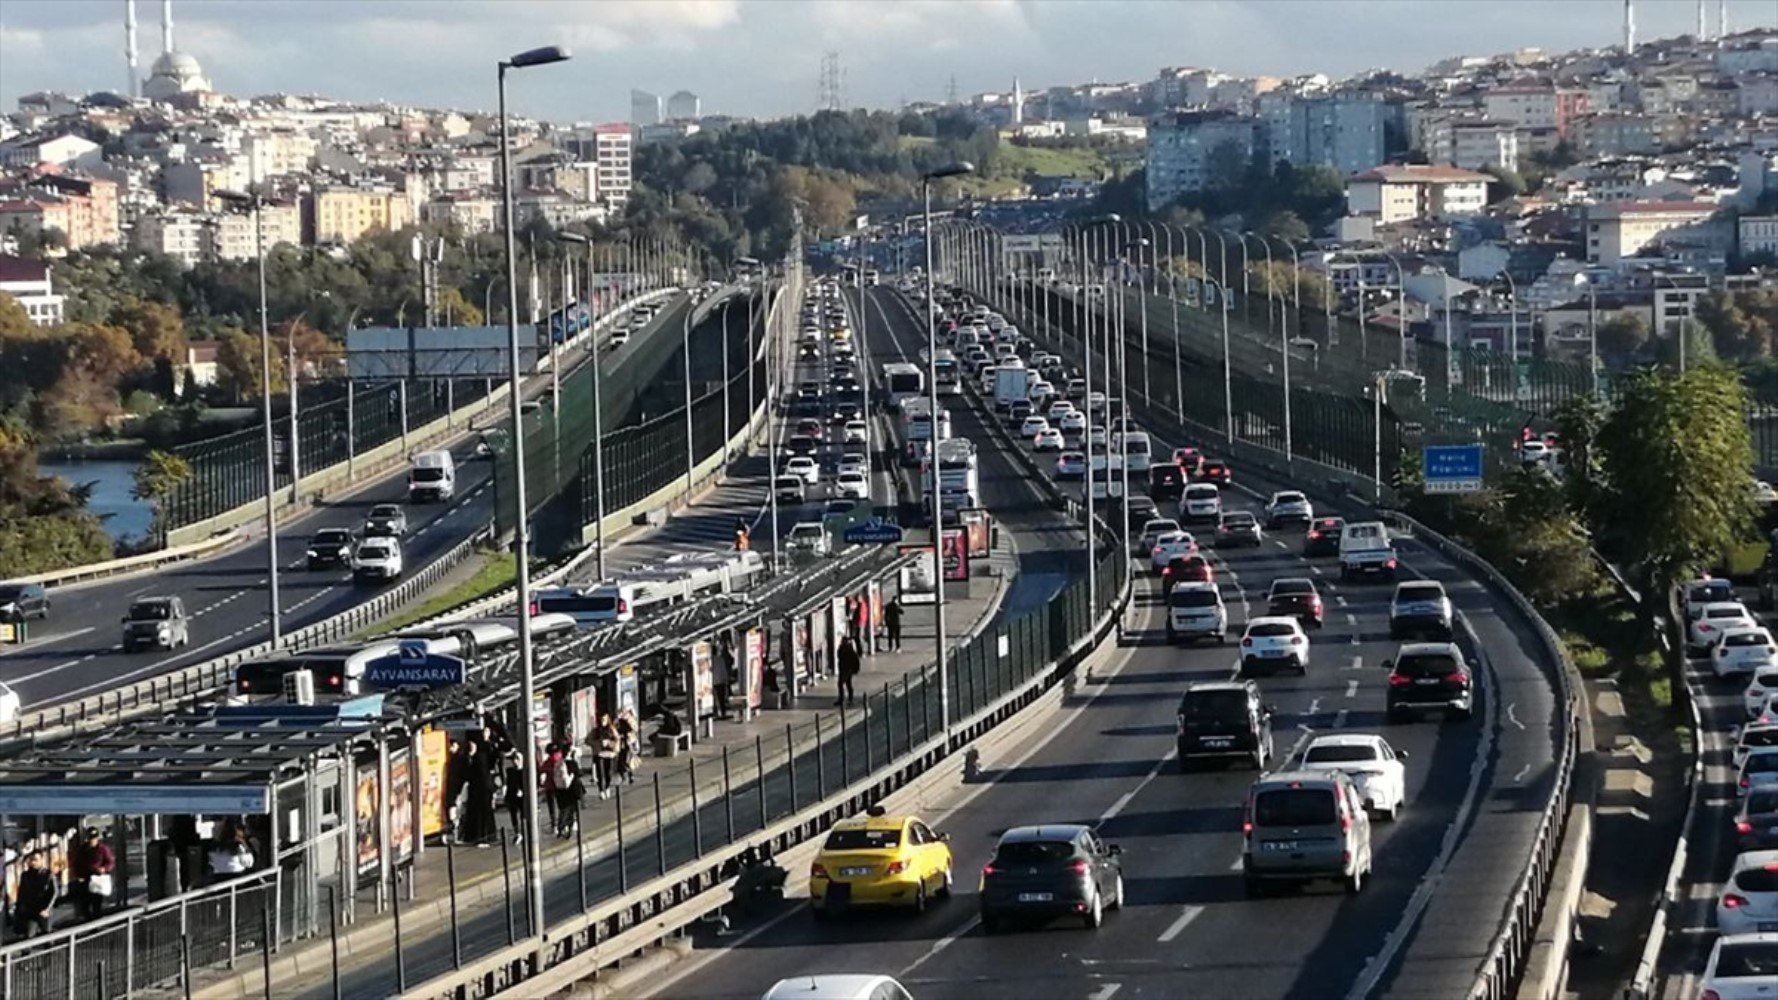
(1305, 825)
(156, 623)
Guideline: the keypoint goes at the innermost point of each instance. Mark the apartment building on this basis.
(1623, 229)
(1758, 234)
(1398, 193)
(1344, 131)
(614, 151)
(1184, 147)
(342, 213)
(1536, 106)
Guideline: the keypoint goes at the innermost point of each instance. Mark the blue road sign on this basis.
(1452, 468)
(413, 666)
(875, 531)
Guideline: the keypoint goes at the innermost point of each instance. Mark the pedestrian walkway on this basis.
(731, 755)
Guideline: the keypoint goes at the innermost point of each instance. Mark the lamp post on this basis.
(522, 542)
(1123, 386)
(1222, 296)
(938, 576)
(1283, 333)
(1592, 329)
(598, 416)
(1512, 320)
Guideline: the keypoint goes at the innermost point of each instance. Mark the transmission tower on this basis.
(829, 91)
(951, 91)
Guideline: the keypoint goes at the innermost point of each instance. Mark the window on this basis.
(1339, 754)
(862, 840)
(1425, 665)
(1034, 852)
(1214, 706)
(1738, 961)
(1294, 807)
(1271, 629)
(1757, 880)
(1746, 639)
(1193, 599)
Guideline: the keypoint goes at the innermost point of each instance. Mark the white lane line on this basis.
(1239, 863)
(1105, 992)
(1512, 716)
(1351, 619)
(1315, 569)
(940, 945)
(1180, 923)
(45, 672)
(1340, 599)
(1314, 706)
(1153, 772)
(1357, 663)
(1352, 689)
(1520, 777)
(46, 640)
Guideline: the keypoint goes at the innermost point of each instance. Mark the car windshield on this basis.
(1762, 800)
(1280, 587)
(1339, 754)
(1743, 959)
(1746, 639)
(1034, 852)
(862, 840)
(1765, 736)
(428, 475)
(385, 510)
(372, 552)
(1715, 590)
(1219, 706)
(1424, 665)
(1240, 520)
(331, 537)
(11, 593)
(151, 611)
(1419, 592)
(1270, 629)
(1761, 763)
(1192, 599)
(1757, 880)
(1283, 498)
(1294, 807)
(1200, 493)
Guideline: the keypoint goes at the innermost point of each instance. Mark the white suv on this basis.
(806, 467)
(1201, 502)
(1288, 507)
(1275, 642)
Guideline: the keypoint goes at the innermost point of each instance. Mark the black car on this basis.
(1429, 675)
(1043, 872)
(330, 547)
(802, 444)
(19, 601)
(1323, 538)
(1166, 481)
(1223, 719)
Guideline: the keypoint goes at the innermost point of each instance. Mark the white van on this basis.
(433, 476)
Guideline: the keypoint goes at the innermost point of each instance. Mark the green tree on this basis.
(15, 322)
(1675, 457)
(1578, 419)
(160, 473)
(1623, 335)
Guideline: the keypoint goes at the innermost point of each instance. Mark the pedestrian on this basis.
(35, 898)
(630, 746)
(476, 822)
(546, 769)
(516, 790)
(723, 673)
(570, 790)
(850, 664)
(230, 856)
(92, 868)
(892, 620)
(605, 741)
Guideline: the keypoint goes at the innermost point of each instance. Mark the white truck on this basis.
(433, 476)
(1012, 383)
(1365, 550)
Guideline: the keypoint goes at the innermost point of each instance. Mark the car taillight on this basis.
(1296, 640)
(989, 869)
(896, 868)
(1710, 995)
(1397, 680)
(534, 609)
(1314, 536)
(1246, 642)
(1079, 866)
(1742, 826)
(1456, 677)
(1704, 627)
(334, 680)
(1744, 781)
(817, 870)
(1734, 902)
(1390, 564)
(623, 606)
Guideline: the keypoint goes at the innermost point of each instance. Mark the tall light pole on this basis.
(598, 417)
(1592, 329)
(1512, 319)
(938, 562)
(1123, 381)
(522, 529)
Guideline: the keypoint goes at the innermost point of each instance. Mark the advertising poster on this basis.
(584, 708)
(627, 696)
(703, 680)
(836, 625)
(875, 599)
(435, 754)
(401, 804)
(367, 804)
(956, 549)
(798, 647)
(977, 524)
(918, 579)
(543, 721)
(817, 632)
(756, 667)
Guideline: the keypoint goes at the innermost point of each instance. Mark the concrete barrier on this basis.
(130, 564)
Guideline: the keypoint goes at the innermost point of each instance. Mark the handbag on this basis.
(99, 884)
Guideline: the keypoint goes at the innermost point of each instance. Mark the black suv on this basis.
(1224, 719)
(1323, 538)
(1430, 675)
(330, 547)
(19, 601)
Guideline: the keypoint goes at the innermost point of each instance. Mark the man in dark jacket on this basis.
(37, 896)
(892, 620)
(849, 664)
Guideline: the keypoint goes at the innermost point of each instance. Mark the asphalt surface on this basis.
(1043, 542)
(76, 651)
(1442, 871)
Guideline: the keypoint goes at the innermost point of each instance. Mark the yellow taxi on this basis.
(840, 333)
(879, 860)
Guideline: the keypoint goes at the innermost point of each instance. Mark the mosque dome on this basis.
(174, 73)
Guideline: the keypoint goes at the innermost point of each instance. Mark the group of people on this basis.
(487, 769)
(35, 890)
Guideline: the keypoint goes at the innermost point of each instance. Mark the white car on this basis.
(1099, 438)
(1742, 967)
(1751, 737)
(856, 432)
(1048, 439)
(790, 489)
(852, 484)
(853, 463)
(1152, 530)
(805, 468)
(1699, 593)
(1759, 769)
(807, 537)
(1040, 391)
(1745, 651)
(1288, 507)
(1170, 546)
(1714, 620)
(1072, 422)
(1374, 766)
(1763, 492)
(1071, 465)
(1201, 502)
(1533, 451)
(1275, 642)
(378, 558)
(1032, 426)
(1749, 900)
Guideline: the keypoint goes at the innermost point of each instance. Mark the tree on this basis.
(1282, 224)
(1505, 183)
(1675, 456)
(238, 369)
(14, 320)
(1622, 335)
(456, 310)
(155, 328)
(160, 473)
(1578, 419)
(44, 525)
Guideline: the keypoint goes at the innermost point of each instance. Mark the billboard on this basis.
(401, 804)
(956, 555)
(978, 524)
(366, 807)
(435, 752)
(756, 667)
(703, 680)
(918, 579)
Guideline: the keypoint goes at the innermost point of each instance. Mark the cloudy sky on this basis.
(761, 57)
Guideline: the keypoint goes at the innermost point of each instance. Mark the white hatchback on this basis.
(1759, 769)
(852, 484)
(1741, 967)
(1749, 900)
(1048, 439)
(1369, 760)
(1169, 546)
(1743, 651)
(1032, 425)
(856, 431)
(1072, 422)
(1071, 465)
(1717, 618)
(1274, 642)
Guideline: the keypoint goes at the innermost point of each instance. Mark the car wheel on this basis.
(1095, 914)
(1460, 714)
(1355, 881)
(944, 885)
(1117, 894)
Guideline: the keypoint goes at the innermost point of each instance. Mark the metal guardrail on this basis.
(131, 564)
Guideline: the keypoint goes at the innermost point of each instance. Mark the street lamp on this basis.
(1592, 328)
(598, 417)
(938, 605)
(1283, 328)
(522, 541)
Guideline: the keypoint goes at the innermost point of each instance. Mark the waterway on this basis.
(124, 516)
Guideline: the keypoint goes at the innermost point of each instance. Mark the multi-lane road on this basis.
(1443, 870)
(77, 651)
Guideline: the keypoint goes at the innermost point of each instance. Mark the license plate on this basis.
(854, 872)
(1036, 897)
(1219, 742)
(1281, 845)
(1767, 926)
(1271, 654)
(1426, 680)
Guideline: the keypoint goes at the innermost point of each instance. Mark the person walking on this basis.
(476, 824)
(850, 663)
(629, 746)
(570, 790)
(546, 770)
(892, 621)
(92, 868)
(35, 897)
(517, 787)
(606, 742)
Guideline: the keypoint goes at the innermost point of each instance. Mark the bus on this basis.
(945, 372)
(903, 380)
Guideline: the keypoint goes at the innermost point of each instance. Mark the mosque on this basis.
(175, 74)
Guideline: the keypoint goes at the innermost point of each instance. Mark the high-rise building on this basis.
(1342, 131)
(1186, 150)
(684, 106)
(645, 108)
(614, 152)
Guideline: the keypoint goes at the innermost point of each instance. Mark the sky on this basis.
(762, 57)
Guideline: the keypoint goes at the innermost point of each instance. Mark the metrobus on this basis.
(945, 372)
(903, 381)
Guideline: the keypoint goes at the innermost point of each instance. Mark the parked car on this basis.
(1052, 870)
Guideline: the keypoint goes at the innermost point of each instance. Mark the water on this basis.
(124, 516)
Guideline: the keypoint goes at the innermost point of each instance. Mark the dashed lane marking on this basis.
(1180, 923)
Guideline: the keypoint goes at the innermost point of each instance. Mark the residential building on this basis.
(200, 368)
(645, 108)
(1186, 149)
(615, 150)
(1523, 261)
(1397, 193)
(556, 208)
(1624, 229)
(1536, 106)
(684, 106)
(28, 281)
(1472, 143)
(92, 202)
(1758, 234)
(1758, 95)
(342, 213)
(1181, 87)
(1344, 131)
(1617, 133)
(471, 211)
(1757, 55)
(232, 235)
(180, 233)
(63, 150)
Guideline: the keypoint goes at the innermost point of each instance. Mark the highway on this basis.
(76, 652)
(1442, 873)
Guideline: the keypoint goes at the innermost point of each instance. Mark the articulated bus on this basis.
(903, 380)
(945, 370)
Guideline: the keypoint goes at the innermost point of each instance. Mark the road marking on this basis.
(1180, 923)
(46, 640)
(1520, 777)
(1315, 569)
(1239, 863)
(1351, 619)
(1340, 719)
(46, 671)
(1357, 663)
(1340, 599)
(1352, 689)
(1512, 716)
(1314, 706)
(1153, 772)
(1105, 992)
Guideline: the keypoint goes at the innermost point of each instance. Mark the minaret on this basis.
(1703, 27)
(1722, 19)
(167, 25)
(129, 46)
(1629, 27)
(1018, 102)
